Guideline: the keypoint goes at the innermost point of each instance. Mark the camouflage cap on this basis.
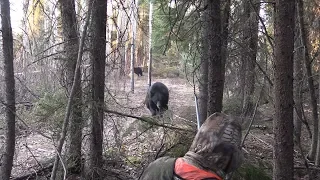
(217, 143)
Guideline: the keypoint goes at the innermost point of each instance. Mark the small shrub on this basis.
(166, 72)
(50, 110)
(134, 160)
(251, 172)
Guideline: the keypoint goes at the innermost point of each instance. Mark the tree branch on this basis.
(149, 120)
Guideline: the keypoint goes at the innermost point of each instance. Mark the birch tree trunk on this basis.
(134, 6)
(150, 42)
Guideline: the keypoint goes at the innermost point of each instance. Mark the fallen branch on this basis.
(304, 121)
(119, 174)
(187, 120)
(43, 171)
(303, 167)
(267, 144)
(34, 175)
(252, 118)
(33, 156)
(148, 120)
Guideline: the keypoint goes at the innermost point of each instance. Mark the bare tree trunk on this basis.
(203, 81)
(71, 46)
(244, 49)
(215, 74)
(225, 34)
(298, 84)
(242, 79)
(70, 100)
(298, 98)
(313, 99)
(97, 56)
(315, 146)
(203, 84)
(133, 40)
(250, 55)
(203, 89)
(283, 123)
(6, 159)
(297, 92)
(122, 38)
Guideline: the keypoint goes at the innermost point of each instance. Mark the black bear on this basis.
(138, 71)
(157, 98)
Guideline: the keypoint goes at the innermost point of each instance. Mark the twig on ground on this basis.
(245, 150)
(34, 157)
(187, 120)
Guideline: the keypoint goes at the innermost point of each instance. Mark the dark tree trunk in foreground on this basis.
(225, 35)
(203, 82)
(203, 90)
(97, 56)
(283, 123)
(70, 36)
(6, 159)
(203, 86)
(216, 74)
(245, 35)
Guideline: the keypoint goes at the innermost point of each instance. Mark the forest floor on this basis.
(126, 140)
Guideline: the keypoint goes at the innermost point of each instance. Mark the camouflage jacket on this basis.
(160, 169)
(164, 169)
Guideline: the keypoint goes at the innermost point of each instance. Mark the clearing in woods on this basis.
(32, 149)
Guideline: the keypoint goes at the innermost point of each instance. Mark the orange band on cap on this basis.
(190, 172)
